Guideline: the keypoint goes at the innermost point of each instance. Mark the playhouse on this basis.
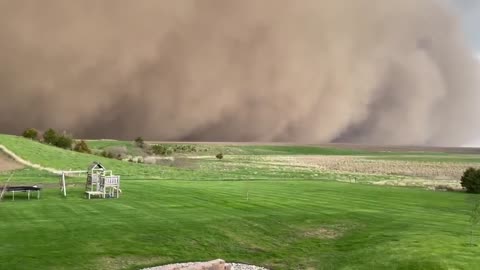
(101, 182)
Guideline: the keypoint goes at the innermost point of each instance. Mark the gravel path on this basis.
(235, 266)
(239, 266)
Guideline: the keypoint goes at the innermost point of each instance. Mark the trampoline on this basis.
(27, 189)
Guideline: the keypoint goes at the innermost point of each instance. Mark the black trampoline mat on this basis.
(22, 188)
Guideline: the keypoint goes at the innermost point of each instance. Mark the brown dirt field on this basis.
(8, 164)
(428, 170)
(387, 148)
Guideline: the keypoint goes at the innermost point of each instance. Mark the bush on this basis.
(30, 133)
(106, 154)
(50, 136)
(169, 151)
(165, 150)
(82, 147)
(159, 149)
(117, 151)
(147, 150)
(471, 180)
(64, 141)
(139, 142)
(219, 156)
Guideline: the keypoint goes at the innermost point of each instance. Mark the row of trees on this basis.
(61, 140)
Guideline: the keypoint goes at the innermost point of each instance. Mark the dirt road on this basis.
(8, 164)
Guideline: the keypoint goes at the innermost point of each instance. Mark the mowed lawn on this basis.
(282, 225)
(287, 220)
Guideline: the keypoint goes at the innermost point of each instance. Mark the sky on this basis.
(273, 70)
(470, 14)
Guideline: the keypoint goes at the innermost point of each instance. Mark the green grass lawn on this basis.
(283, 225)
(292, 219)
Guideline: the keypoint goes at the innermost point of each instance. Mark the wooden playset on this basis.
(100, 182)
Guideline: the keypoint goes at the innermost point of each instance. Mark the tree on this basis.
(471, 180)
(107, 154)
(169, 151)
(82, 147)
(50, 136)
(219, 156)
(139, 142)
(159, 149)
(30, 133)
(64, 141)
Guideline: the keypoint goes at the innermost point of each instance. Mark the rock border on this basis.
(210, 265)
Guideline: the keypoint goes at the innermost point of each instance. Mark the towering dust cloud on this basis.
(366, 71)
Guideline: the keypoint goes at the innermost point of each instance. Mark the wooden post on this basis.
(5, 187)
(118, 187)
(64, 187)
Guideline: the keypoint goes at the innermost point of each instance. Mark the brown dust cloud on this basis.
(310, 71)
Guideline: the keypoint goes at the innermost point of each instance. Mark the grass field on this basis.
(281, 217)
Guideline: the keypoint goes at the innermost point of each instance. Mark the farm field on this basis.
(281, 207)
